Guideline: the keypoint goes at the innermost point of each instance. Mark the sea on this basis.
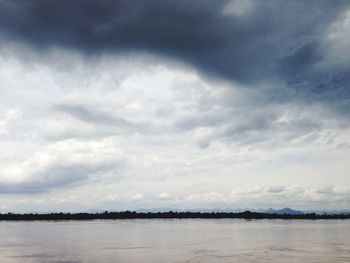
(175, 240)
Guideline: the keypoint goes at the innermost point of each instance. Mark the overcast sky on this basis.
(178, 104)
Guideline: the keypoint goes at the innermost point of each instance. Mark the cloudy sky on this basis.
(180, 104)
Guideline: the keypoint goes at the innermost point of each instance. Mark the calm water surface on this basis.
(190, 240)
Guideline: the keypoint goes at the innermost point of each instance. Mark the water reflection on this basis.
(223, 240)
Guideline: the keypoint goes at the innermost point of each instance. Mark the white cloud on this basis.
(238, 7)
(137, 197)
(338, 40)
(164, 196)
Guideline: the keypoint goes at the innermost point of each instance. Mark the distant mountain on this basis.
(283, 211)
(286, 211)
(94, 211)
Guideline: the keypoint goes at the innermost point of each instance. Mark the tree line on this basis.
(166, 215)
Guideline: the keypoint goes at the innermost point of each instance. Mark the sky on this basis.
(116, 105)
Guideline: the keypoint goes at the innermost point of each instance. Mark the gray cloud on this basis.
(93, 116)
(56, 176)
(275, 40)
(252, 120)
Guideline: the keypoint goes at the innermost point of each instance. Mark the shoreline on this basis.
(165, 215)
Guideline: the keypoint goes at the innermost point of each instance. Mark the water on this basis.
(190, 240)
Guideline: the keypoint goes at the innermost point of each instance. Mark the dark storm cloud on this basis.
(56, 176)
(275, 40)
